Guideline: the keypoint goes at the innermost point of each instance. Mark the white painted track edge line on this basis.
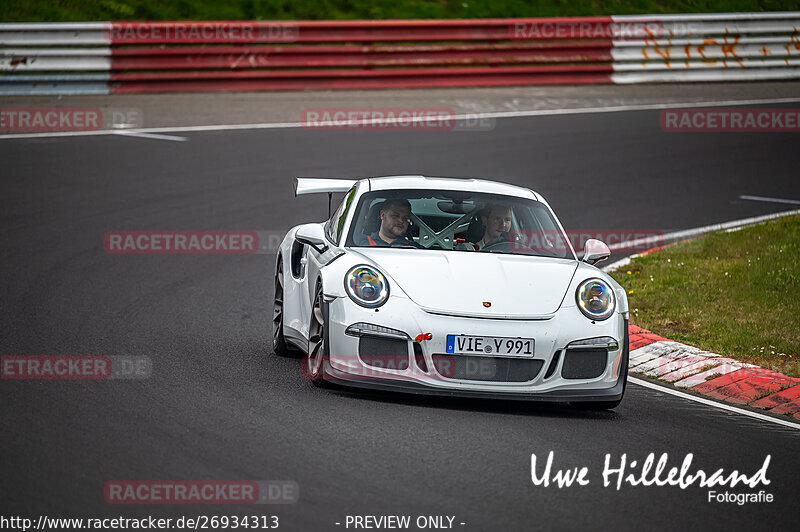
(58, 134)
(139, 134)
(465, 116)
(689, 233)
(671, 390)
(771, 200)
(619, 264)
(715, 404)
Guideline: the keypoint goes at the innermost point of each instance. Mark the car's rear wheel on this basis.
(279, 345)
(317, 348)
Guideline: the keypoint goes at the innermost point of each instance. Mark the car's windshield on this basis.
(457, 221)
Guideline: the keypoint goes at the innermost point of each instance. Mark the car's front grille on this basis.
(386, 353)
(584, 363)
(493, 369)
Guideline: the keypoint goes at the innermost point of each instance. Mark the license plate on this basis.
(489, 345)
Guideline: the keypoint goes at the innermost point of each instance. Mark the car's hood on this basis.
(463, 283)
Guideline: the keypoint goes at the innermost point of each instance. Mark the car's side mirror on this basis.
(312, 235)
(594, 251)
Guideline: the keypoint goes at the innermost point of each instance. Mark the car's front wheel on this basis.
(317, 348)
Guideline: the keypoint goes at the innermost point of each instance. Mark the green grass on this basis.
(733, 293)
(88, 10)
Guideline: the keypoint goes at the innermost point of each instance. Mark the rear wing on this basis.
(313, 185)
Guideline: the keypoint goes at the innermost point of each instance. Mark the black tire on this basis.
(279, 345)
(610, 405)
(317, 341)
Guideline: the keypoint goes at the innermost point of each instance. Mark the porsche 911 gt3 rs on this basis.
(446, 286)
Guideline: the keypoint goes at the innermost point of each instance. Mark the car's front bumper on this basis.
(346, 367)
(558, 396)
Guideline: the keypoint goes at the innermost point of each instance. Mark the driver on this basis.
(497, 224)
(395, 217)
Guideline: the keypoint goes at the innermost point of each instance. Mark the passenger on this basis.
(497, 224)
(395, 218)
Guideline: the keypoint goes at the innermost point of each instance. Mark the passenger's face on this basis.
(394, 220)
(498, 222)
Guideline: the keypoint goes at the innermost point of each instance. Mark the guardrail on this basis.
(134, 57)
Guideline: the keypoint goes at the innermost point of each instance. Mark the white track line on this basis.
(619, 264)
(772, 200)
(714, 404)
(127, 133)
(689, 233)
(466, 116)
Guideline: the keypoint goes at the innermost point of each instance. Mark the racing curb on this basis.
(712, 375)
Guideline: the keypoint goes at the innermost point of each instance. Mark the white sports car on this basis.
(457, 287)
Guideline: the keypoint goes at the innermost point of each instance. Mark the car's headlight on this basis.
(595, 299)
(366, 286)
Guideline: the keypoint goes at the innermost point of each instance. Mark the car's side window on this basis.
(336, 223)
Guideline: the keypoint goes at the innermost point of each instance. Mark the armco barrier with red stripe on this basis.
(131, 57)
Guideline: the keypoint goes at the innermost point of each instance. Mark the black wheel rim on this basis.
(277, 306)
(316, 332)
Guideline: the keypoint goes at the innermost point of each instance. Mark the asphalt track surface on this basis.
(219, 405)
